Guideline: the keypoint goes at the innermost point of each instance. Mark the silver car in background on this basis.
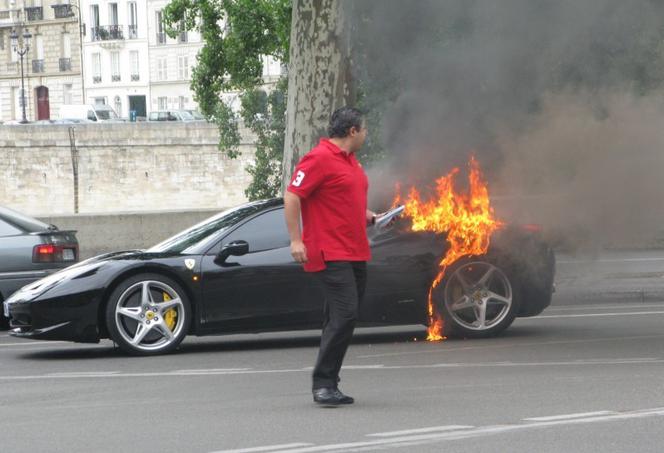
(30, 250)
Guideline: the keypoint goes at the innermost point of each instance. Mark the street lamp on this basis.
(21, 49)
(81, 32)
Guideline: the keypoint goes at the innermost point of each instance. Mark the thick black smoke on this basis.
(561, 101)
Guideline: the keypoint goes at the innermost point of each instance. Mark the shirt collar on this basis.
(334, 148)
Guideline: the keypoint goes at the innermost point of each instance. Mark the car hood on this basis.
(128, 255)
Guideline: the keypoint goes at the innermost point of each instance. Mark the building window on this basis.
(182, 102)
(38, 63)
(94, 22)
(113, 14)
(162, 68)
(66, 93)
(133, 20)
(159, 25)
(2, 40)
(115, 66)
(183, 67)
(135, 73)
(96, 67)
(66, 45)
(182, 37)
(162, 103)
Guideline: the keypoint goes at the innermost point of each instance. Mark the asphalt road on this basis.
(585, 376)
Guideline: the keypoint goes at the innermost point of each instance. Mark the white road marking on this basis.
(435, 350)
(613, 306)
(33, 343)
(421, 430)
(596, 315)
(266, 448)
(419, 439)
(210, 370)
(82, 374)
(610, 260)
(222, 372)
(568, 416)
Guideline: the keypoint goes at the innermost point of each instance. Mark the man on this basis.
(329, 190)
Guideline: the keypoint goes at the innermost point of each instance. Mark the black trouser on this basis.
(343, 287)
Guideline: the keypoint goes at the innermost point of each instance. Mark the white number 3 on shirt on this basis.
(298, 179)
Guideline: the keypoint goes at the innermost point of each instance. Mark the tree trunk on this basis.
(319, 77)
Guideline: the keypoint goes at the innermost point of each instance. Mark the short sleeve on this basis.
(308, 175)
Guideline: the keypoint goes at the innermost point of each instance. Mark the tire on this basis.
(478, 298)
(148, 314)
(4, 322)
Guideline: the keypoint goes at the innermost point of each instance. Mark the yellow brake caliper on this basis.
(170, 315)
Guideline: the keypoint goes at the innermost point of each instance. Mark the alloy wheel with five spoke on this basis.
(478, 299)
(148, 314)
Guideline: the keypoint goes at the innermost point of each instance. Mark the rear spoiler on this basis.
(38, 233)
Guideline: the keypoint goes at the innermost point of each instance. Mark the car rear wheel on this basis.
(478, 298)
(148, 314)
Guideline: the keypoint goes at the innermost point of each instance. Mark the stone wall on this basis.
(122, 167)
(102, 233)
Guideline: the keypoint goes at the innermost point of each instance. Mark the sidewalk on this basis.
(624, 276)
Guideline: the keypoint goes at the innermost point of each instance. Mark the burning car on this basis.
(234, 273)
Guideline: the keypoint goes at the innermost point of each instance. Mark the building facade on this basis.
(171, 62)
(116, 56)
(51, 66)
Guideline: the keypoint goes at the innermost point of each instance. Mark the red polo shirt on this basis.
(333, 188)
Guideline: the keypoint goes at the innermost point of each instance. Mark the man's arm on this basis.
(292, 210)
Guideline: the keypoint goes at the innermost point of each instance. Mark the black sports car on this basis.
(234, 273)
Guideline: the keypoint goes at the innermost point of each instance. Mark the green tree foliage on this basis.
(237, 35)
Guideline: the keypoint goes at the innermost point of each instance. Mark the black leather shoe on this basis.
(331, 397)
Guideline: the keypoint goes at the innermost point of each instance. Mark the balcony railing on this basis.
(161, 38)
(62, 11)
(135, 77)
(34, 13)
(107, 33)
(12, 68)
(65, 64)
(96, 79)
(183, 37)
(115, 78)
(37, 65)
(132, 31)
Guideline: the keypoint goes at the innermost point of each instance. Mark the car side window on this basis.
(8, 230)
(266, 232)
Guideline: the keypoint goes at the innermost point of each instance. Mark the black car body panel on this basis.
(265, 290)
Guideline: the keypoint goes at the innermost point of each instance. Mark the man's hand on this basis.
(391, 222)
(298, 251)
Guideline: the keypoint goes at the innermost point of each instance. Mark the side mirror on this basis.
(235, 248)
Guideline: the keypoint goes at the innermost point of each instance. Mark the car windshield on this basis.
(196, 114)
(106, 114)
(186, 116)
(202, 231)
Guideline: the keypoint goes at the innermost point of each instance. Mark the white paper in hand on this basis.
(385, 219)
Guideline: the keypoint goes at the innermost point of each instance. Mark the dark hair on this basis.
(343, 120)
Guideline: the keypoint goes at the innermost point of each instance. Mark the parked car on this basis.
(198, 116)
(30, 250)
(234, 273)
(170, 115)
(91, 112)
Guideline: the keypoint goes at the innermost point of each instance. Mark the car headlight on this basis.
(36, 289)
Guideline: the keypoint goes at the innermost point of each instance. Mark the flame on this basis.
(467, 218)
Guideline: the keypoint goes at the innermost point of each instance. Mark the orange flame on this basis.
(468, 219)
